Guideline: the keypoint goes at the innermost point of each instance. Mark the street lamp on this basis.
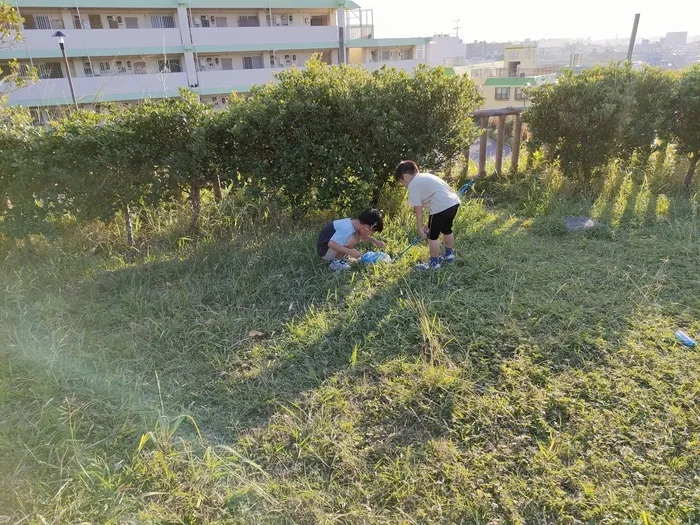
(61, 40)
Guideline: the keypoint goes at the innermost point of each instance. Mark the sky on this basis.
(511, 20)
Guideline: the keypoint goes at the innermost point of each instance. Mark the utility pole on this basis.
(456, 28)
(633, 37)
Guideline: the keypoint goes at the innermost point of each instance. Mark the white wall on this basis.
(447, 51)
(96, 39)
(141, 86)
(262, 35)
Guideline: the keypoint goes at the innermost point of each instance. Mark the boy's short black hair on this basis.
(405, 167)
(372, 218)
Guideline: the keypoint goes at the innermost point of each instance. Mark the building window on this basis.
(131, 22)
(112, 22)
(37, 22)
(221, 21)
(255, 62)
(171, 65)
(514, 55)
(502, 93)
(519, 94)
(50, 70)
(95, 21)
(162, 22)
(248, 21)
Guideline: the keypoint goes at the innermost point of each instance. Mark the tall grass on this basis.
(228, 377)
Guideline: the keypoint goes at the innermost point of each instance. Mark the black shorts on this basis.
(442, 222)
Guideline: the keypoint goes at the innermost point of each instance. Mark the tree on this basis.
(16, 76)
(582, 117)
(331, 136)
(648, 114)
(20, 178)
(173, 133)
(685, 128)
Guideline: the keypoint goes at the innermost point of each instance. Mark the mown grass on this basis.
(535, 381)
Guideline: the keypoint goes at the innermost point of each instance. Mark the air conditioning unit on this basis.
(196, 22)
(97, 72)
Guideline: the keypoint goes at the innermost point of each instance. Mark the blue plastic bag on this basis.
(374, 257)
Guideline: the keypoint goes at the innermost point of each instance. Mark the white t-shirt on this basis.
(431, 192)
(343, 231)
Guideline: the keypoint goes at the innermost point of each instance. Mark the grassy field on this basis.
(238, 381)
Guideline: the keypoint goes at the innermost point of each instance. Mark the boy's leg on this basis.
(449, 240)
(448, 236)
(434, 226)
(434, 246)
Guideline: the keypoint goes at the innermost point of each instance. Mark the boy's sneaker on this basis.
(430, 265)
(339, 265)
(447, 258)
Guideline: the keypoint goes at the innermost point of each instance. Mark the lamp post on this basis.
(61, 41)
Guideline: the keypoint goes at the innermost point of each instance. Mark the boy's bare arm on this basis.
(419, 220)
(344, 249)
(377, 242)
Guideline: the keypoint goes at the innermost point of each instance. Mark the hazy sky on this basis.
(503, 20)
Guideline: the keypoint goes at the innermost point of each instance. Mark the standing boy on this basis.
(425, 190)
(338, 238)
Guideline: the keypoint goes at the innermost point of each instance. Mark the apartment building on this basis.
(129, 50)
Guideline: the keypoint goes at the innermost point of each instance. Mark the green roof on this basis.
(452, 71)
(510, 81)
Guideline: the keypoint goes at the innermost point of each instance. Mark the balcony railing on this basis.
(90, 89)
(503, 72)
(357, 32)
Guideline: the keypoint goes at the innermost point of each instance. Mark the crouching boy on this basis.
(338, 238)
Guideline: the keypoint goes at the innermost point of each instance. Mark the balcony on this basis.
(358, 32)
(408, 65)
(263, 38)
(38, 43)
(234, 80)
(52, 92)
(505, 72)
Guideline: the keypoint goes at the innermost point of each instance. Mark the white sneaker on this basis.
(430, 265)
(339, 265)
(447, 258)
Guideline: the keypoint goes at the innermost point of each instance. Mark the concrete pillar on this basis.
(191, 69)
(183, 24)
(67, 18)
(427, 51)
(342, 58)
